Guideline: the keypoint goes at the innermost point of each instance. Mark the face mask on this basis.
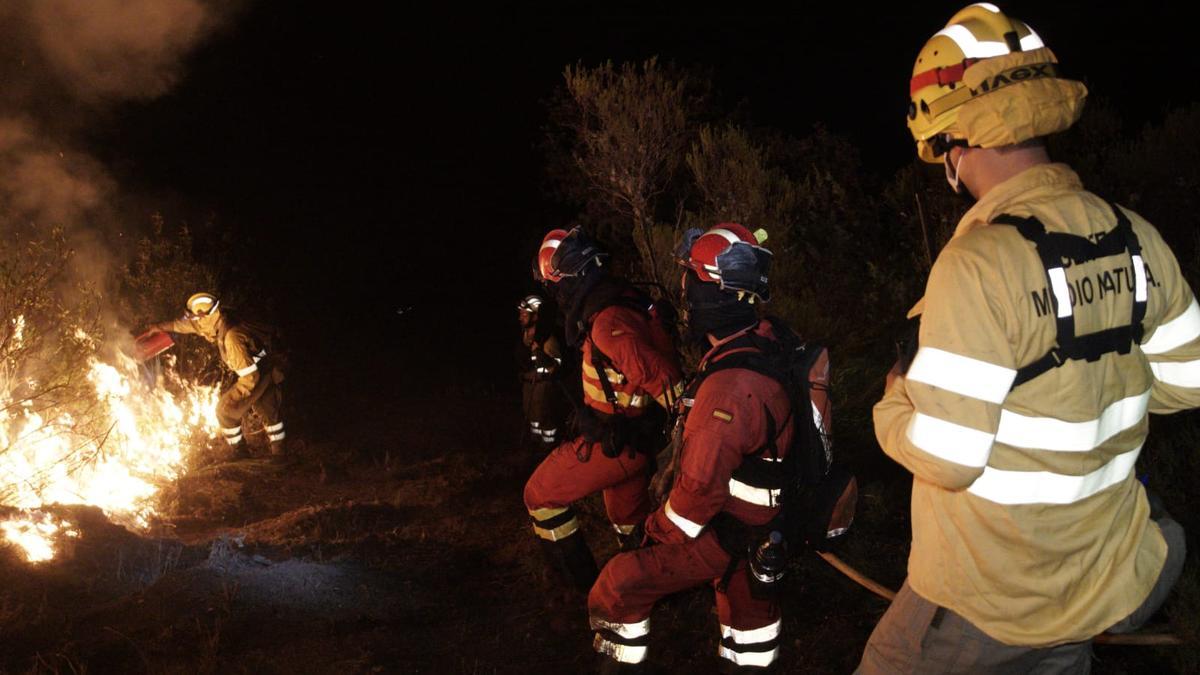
(953, 178)
(206, 325)
(710, 311)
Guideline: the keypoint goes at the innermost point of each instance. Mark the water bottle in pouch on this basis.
(768, 564)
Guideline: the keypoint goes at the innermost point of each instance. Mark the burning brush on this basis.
(49, 456)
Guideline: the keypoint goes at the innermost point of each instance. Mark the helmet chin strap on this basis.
(955, 178)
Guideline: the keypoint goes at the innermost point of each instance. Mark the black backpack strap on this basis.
(602, 363)
(1053, 249)
(1056, 279)
(1141, 292)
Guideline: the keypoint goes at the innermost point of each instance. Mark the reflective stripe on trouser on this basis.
(562, 479)
(754, 647)
(624, 642)
(544, 435)
(553, 524)
(275, 432)
(233, 435)
(266, 399)
(546, 408)
(916, 636)
(632, 582)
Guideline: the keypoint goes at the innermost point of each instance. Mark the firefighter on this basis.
(736, 433)
(244, 349)
(1053, 322)
(630, 376)
(543, 397)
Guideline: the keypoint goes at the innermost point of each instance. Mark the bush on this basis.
(49, 329)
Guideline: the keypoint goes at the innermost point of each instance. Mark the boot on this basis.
(727, 667)
(610, 666)
(633, 540)
(573, 560)
(240, 451)
(281, 453)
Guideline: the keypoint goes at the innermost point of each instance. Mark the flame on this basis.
(35, 532)
(143, 446)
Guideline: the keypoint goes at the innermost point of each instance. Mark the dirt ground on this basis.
(397, 544)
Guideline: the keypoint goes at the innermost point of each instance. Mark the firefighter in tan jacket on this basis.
(244, 350)
(1053, 322)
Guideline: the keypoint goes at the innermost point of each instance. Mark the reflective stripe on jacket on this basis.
(726, 424)
(642, 364)
(239, 350)
(1028, 518)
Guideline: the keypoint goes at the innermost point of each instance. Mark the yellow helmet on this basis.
(202, 304)
(987, 80)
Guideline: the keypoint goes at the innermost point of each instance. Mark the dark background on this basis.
(370, 160)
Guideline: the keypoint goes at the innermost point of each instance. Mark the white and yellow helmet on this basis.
(202, 304)
(987, 80)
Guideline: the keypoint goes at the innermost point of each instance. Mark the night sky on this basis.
(376, 160)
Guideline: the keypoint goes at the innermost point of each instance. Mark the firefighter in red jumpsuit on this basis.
(543, 396)
(631, 378)
(715, 509)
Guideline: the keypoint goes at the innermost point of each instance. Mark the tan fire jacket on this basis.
(240, 351)
(1027, 516)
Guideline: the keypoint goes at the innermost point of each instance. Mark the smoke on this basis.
(42, 184)
(105, 50)
(64, 66)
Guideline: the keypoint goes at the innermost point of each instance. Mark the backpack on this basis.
(818, 493)
(268, 338)
(648, 433)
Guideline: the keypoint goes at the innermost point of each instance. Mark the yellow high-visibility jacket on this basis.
(1027, 516)
(240, 350)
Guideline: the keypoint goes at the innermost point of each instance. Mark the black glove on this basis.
(588, 424)
(907, 345)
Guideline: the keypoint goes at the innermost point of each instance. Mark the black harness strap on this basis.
(600, 360)
(602, 363)
(1057, 250)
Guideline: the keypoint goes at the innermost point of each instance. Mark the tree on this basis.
(629, 128)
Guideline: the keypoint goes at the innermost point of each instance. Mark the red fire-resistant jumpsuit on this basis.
(727, 423)
(642, 370)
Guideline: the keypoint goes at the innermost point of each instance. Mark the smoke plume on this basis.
(64, 66)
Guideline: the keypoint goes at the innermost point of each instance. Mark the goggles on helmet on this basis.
(741, 266)
(575, 255)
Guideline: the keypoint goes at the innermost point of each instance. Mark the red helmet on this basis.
(549, 246)
(729, 255)
(567, 254)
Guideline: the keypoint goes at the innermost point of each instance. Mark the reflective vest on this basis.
(629, 361)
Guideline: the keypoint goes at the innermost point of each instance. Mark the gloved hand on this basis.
(618, 436)
(660, 484)
(588, 424)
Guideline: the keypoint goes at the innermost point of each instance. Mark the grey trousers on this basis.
(917, 636)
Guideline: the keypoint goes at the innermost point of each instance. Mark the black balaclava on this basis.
(712, 311)
(571, 294)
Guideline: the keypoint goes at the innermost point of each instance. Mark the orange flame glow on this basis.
(144, 447)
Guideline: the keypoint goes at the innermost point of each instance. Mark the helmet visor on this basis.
(575, 255)
(201, 312)
(744, 267)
